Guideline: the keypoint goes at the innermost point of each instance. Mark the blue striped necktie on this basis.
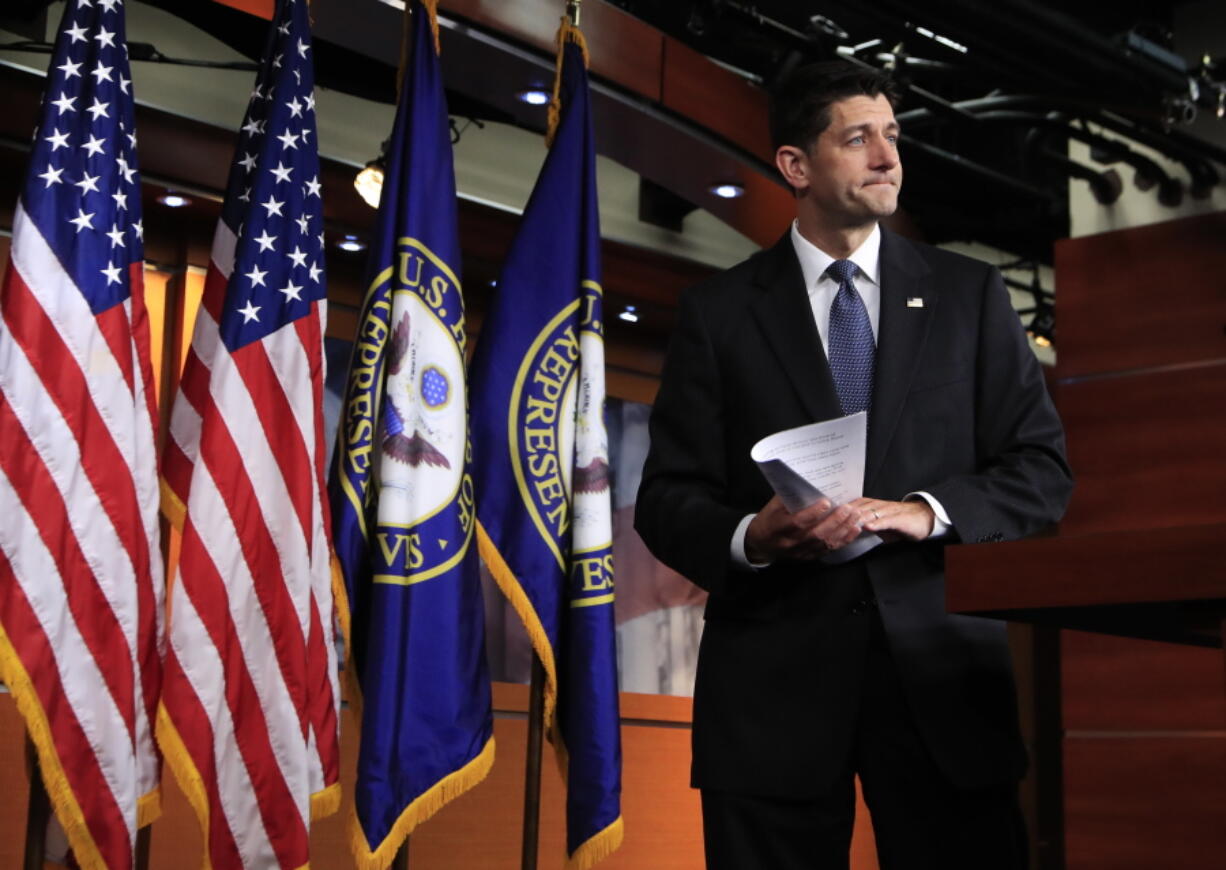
(852, 351)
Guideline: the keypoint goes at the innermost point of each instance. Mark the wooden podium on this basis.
(1160, 584)
(1131, 744)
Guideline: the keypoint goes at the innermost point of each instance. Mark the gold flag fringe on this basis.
(326, 802)
(422, 808)
(601, 845)
(597, 848)
(149, 807)
(180, 762)
(567, 32)
(514, 592)
(63, 801)
(431, 7)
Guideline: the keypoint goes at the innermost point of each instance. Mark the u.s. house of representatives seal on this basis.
(425, 513)
(559, 448)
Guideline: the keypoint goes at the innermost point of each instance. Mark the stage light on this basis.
(1042, 326)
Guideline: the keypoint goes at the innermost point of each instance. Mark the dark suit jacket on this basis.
(959, 409)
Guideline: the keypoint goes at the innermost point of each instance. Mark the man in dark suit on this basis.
(814, 668)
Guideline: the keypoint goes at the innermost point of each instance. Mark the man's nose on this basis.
(883, 154)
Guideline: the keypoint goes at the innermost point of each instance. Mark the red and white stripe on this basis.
(81, 590)
(250, 685)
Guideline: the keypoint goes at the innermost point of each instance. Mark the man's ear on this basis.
(793, 165)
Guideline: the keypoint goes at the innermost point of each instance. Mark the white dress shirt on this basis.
(822, 289)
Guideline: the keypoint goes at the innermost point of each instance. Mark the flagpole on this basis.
(401, 861)
(532, 766)
(143, 839)
(38, 813)
(536, 690)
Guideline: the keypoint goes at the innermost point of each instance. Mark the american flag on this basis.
(80, 566)
(249, 721)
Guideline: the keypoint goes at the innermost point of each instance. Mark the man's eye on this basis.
(858, 140)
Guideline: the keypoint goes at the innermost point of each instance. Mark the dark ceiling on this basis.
(995, 92)
(986, 125)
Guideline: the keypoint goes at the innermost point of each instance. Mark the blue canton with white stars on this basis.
(83, 190)
(853, 352)
(272, 199)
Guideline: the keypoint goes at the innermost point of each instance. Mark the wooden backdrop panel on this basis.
(1117, 684)
(1137, 803)
(1142, 392)
(1147, 296)
(14, 784)
(480, 829)
(1146, 449)
(715, 98)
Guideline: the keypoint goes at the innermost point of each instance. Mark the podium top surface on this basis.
(1165, 583)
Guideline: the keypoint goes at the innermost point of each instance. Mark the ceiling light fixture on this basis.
(629, 314)
(351, 243)
(727, 190)
(369, 182)
(533, 96)
(170, 199)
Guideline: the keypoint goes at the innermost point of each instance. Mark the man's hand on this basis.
(895, 520)
(775, 534)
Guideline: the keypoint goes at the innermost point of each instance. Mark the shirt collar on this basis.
(814, 261)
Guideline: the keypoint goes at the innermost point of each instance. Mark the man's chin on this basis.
(883, 203)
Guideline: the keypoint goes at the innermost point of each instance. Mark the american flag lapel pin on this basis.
(915, 301)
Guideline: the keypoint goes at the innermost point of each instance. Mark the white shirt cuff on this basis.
(738, 546)
(941, 523)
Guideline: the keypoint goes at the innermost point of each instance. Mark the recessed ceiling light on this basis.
(351, 242)
(628, 314)
(533, 96)
(173, 200)
(727, 190)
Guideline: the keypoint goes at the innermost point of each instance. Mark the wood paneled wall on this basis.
(1142, 391)
(481, 829)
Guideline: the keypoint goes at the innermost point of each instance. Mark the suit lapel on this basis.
(786, 317)
(901, 334)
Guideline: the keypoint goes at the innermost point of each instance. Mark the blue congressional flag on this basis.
(402, 492)
(544, 515)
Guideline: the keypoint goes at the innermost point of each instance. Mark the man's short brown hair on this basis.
(800, 105)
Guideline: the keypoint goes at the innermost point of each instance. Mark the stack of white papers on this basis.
(819, 460)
